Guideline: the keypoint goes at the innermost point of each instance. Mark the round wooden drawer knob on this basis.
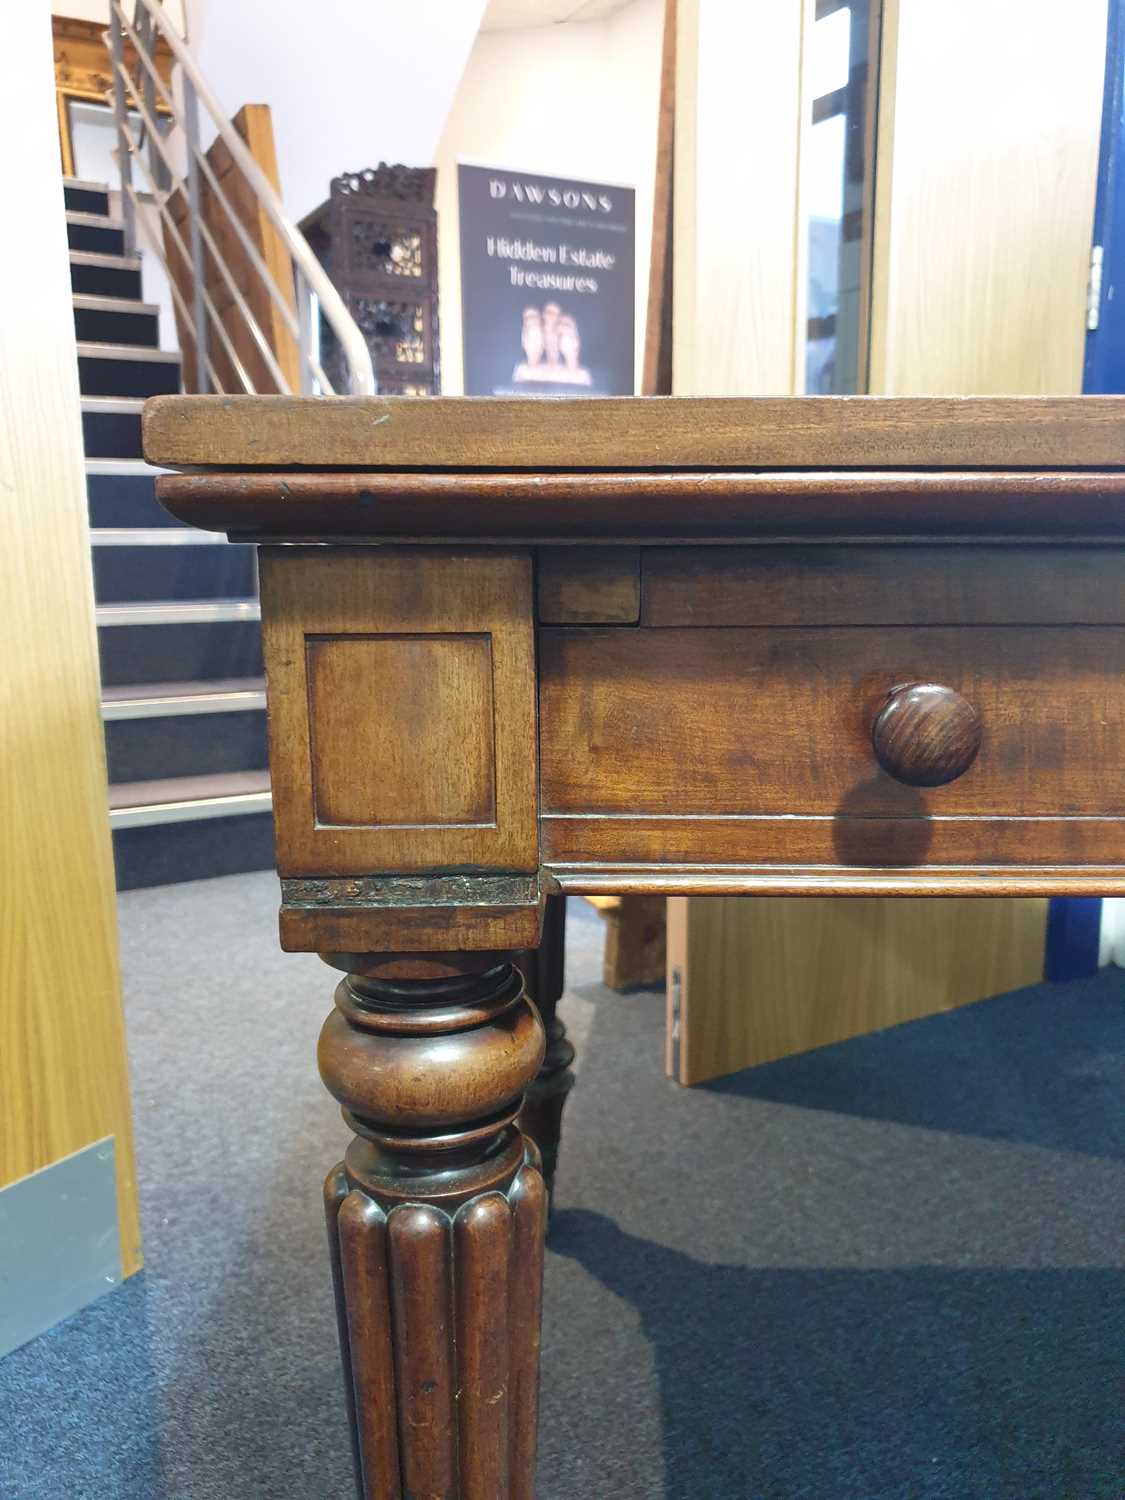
(926, 734)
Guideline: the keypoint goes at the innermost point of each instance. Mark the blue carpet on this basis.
(887, 1270)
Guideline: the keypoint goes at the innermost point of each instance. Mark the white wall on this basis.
(608, 72)
(348, 84)
(98, 10)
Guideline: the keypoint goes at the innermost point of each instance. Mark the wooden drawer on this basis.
(752, 743)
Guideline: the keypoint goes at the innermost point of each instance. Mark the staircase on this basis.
(183, 697)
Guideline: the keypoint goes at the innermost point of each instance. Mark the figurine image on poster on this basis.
(551, 348)
(548, 284)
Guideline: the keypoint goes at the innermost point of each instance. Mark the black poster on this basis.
(547, 291)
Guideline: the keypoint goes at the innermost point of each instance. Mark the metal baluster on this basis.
(198, 265)
(148, 90)
(124, 156)
(304, 343)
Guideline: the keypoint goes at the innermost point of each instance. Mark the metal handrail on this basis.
(310, 280)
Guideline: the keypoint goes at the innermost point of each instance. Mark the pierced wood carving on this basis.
(376, 236)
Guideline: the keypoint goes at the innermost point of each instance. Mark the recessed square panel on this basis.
(402, 724)
(401, 730)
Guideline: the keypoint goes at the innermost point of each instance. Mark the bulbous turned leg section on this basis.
(542, 968)
(436, 1220)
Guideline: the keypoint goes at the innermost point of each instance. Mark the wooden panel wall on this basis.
(63, 1077)
(987, 159)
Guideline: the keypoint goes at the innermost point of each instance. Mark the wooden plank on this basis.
(401, 709)
(253, 123)
(657, 507)
(877, 585)
(63, 1068)
(831, 432)
(747, 721)
(765, 979)
(588, 586)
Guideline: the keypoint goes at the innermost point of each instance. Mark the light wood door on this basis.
(63, 1072)
(989, 122)
(987, 155)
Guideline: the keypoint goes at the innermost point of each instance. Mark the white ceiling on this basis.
(506, 15)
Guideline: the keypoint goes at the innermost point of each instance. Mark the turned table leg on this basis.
(542, 967)
(436, 1219)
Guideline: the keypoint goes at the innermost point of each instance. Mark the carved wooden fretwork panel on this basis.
(377, 237)
(377, 246)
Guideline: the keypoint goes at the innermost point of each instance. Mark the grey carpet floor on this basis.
(887, 1270)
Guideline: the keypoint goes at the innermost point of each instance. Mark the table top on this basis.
(641, 470)
(646, 433)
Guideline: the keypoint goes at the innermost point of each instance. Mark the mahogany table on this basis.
(520, 649)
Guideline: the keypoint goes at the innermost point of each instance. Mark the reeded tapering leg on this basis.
(541, 1117)
(436, 1220)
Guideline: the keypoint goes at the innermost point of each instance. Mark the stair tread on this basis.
(179, 611)
(107, 259)
(125, 405)
(187, 788)
(95, 221)
(94, 349)
(157, 536)
(96, 302)
(123, 467)
(204, 688)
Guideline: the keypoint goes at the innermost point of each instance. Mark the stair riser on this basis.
(96, 325)
(135, 575)
(111, 434)
(128, 377)
(185, 745)
(167, 853)
(126, 500)
(105, 281)
(98, 237)
(85, 200)
(179, 653)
